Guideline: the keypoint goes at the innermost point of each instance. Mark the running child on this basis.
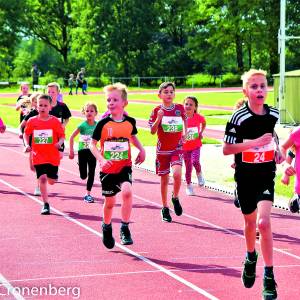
(71, 83)
(115, 133)
(167, 120)
(33, 112)
(2, 126)
(86, 160)
(196, 124)
(59, 109)
(23, 101)
(293, 142)
(249, 136)
(47, 137)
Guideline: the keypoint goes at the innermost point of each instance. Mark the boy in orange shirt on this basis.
(115, 133)
(47, 137)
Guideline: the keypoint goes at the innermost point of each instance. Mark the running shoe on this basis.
(165, 212)
(294, 205)
(88, 199)
(189, 190)
(269, 291)
(107, 238)
(236, 201)
(37, 191)
(177, 206)
(249, 272)
(125, 236)
(46, 209)
(201, 181)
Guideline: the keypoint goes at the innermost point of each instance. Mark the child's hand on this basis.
(2, 129)
(141, 157)
(279, 157)
(57, 145)
(27, 149)
(263, 140)
(289, 170)
(71, 154)
(160, 114)
(105, 164)
(285, 179)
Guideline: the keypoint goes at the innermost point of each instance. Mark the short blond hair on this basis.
(51, 84)
(118, 86)
(34, 96)
(247, 75)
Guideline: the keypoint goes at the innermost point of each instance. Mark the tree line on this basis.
(144, 37)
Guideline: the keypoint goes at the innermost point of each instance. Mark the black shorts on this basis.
(111, 183)
(252, 189)
(48, 169)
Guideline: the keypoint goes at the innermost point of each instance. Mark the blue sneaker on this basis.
(88, 199)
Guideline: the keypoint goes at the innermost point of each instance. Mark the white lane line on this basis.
(203, 269)
(218, 227)
(137, 255)
(10, 289)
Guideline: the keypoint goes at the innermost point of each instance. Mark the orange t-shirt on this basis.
(114, 140)
(45, 134)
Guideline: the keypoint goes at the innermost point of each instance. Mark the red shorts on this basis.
(164, 162)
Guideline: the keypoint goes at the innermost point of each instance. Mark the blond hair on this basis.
(118, 86)
(52, 84)
(247, 75)
(86, 105)
(34, 96)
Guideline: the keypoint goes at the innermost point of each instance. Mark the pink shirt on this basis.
(295, 136)
(1, 123)
(194, 127)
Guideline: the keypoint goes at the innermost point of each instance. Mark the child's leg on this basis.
(188, 166)
(196, 160)
(164, 181)
(177, 179)
(43, 187)
(92, 163)
(108, 206)
(83, 163)
(264, 227)
(126, 191)
(250, 230)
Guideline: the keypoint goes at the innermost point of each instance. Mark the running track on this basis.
(198, 256)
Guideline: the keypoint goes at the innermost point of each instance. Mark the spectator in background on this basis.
(71, 83)
(35, 76)
(79, 81)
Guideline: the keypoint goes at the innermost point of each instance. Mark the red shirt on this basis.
(194, 127)
(45, 134)
(169, 132)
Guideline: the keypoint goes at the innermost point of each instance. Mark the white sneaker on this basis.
(37, 191)
(201, 181)
(189, 190)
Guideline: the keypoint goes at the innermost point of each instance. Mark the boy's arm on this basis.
(94, 149)
(142, 154)
(21, 126)
(74, 134)
(65, 122)
(202, 128)
(26, 142)
(240, 147)
(155, 125)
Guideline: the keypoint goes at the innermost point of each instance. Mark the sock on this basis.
(251, 255)
(268, 272)
(106, 226)
(124, 224)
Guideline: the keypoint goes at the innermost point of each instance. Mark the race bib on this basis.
(192, 134)
(258, 155)
(43, 136)
(84, 141)
(114, 150)
(172, 124)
